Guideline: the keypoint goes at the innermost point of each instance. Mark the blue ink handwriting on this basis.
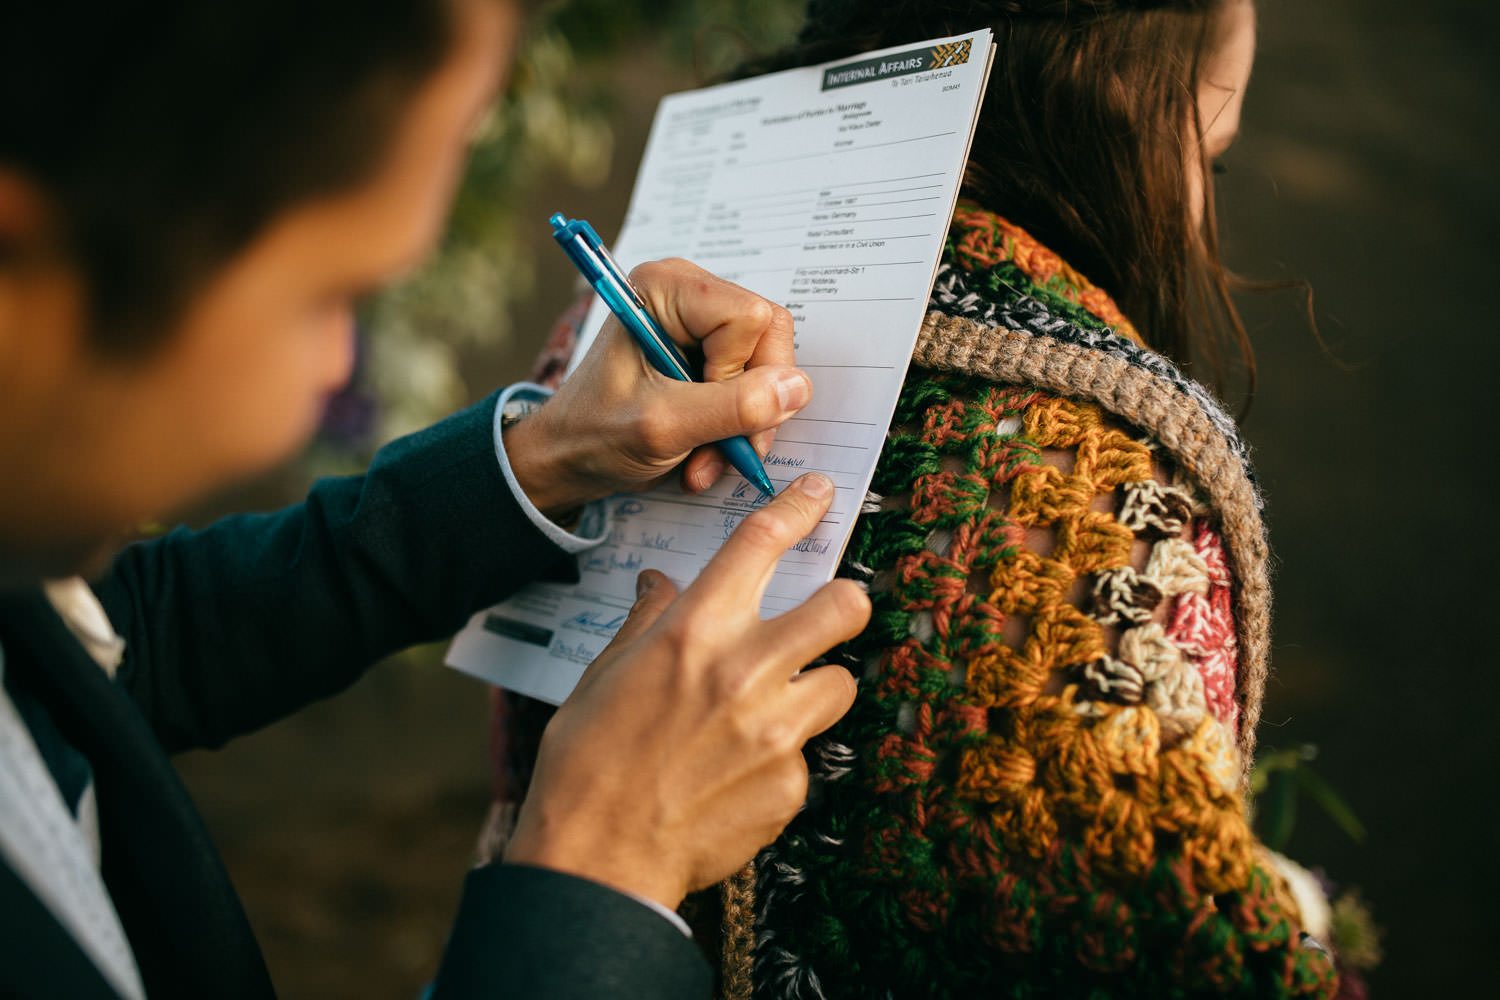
(608, 562)
(656, 540)
(597, 621)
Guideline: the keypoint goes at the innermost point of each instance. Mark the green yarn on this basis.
(898, 884)
(902, 461)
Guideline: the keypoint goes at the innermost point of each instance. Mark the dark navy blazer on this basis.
(231, 628)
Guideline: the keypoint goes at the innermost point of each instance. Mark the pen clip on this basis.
(582, 239)
(589, 254)
(607, 261)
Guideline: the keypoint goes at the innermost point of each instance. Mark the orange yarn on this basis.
(1038, 791)
(978, 249)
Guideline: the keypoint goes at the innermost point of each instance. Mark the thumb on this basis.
(653, 593)
(747, 404)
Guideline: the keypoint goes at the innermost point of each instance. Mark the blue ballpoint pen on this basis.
(587, 252)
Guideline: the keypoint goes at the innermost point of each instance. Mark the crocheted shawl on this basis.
(1040, 789)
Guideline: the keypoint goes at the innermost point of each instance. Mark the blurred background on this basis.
(1364, 166)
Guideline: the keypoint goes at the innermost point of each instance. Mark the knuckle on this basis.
(758, 405)
(650, 273)
(685, 634)
(655, 426)
(732, 686)
(761, 313)
(797, 510)
(673, 635)
(767, 528)
(666, 272)
(781, 317)
(781, 739)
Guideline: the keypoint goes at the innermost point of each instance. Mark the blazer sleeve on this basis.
(524, 932)
(232, 627)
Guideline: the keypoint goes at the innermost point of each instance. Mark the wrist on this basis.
(539, 461)
(600, 863)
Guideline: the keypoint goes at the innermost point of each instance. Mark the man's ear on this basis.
(27, 238)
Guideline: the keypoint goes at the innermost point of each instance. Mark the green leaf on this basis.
(1279, 810)
(1331, 803)
(1276, 762)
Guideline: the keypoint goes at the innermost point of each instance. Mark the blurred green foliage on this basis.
(554, 121)
(1279, 779)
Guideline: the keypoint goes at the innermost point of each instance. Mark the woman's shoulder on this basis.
(1114, 449)
(1039, 788)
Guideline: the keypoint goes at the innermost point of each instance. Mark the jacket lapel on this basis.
(184, 920)
(47, 962)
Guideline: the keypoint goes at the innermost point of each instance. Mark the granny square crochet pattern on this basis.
(1039, 791)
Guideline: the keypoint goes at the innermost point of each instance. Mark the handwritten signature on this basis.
(597, 621)
(785, 460)
(575, 652)
(608, 562)
(747, 491)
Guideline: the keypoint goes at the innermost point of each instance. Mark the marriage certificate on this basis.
(828, 189)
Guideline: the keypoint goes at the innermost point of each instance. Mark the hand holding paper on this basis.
(827, 189)
(688, 729)
(617, 425)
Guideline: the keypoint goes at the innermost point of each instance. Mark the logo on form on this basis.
(950, 54)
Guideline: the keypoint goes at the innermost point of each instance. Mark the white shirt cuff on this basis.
(672, 915)
(593, 523)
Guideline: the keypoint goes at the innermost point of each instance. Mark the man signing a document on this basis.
(192, 197)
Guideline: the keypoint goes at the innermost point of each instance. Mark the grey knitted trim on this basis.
(1069, 361)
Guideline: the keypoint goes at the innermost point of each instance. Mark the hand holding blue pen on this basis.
(589, 255)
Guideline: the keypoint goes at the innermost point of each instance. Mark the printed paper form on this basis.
(827, 189)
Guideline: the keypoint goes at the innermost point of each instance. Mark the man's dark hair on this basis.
(166, 134)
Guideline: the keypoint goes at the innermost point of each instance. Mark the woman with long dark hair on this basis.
(1040, 790)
